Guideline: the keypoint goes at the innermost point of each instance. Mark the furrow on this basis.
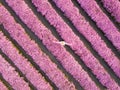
(11, 76)
(2, 86)
(23, 64)
(5, 82)
(65, 31)
(31, 48)
(102, 21)
(113, 6)
(90, 34)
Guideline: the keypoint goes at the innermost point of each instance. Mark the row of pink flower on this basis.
(11, 76)
(84, 27)
(35, 78)
(102, 21)
(31, 48)
(113, 6)
(66, 60)
(32, 22)
(67, 34)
